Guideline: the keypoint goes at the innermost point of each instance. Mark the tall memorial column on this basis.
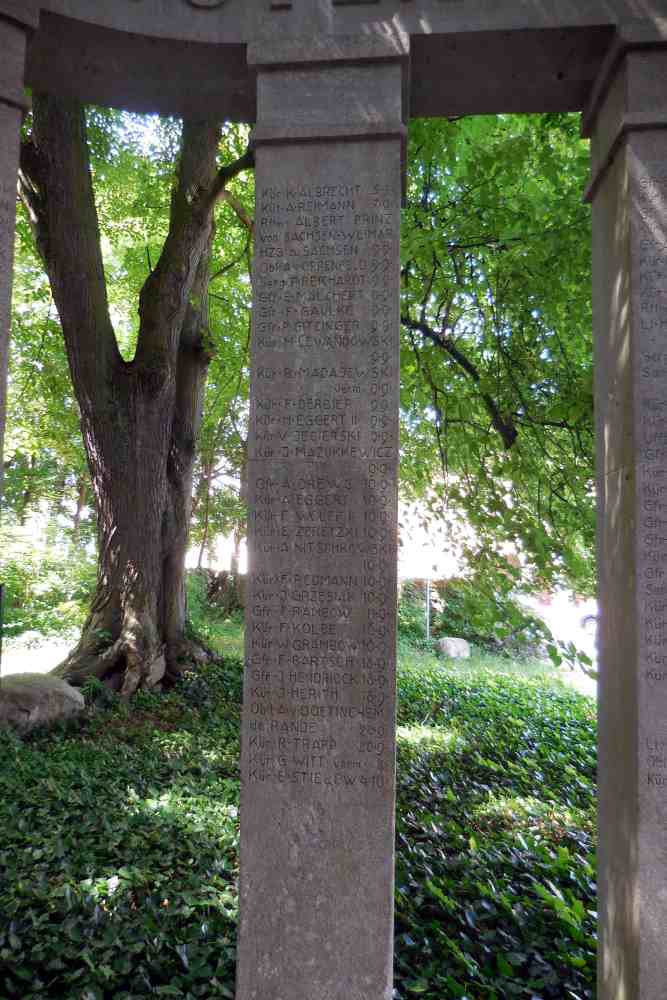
(16, 19)
(317, 793)
(627, 121)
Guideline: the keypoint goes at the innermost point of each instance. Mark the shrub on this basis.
(46, 590)
(491, 618)
(411, 612)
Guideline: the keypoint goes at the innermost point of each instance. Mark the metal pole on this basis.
(428, 608)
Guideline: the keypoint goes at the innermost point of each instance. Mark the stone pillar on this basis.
(627, 122)
(317, 793)
(13, 26)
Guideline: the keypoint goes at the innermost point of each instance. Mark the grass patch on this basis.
(496, 828)
(223, 633)
(119, 858)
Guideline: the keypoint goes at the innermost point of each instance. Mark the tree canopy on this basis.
(497, 355)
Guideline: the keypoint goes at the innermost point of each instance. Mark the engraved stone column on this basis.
(317, 799)
(628, 121)
(13, 25)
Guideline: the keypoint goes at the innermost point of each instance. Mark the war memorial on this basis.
(329, 86)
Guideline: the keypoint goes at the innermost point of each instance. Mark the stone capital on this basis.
(15, 24)
(345, 87)
(344, 58)
(629, 95)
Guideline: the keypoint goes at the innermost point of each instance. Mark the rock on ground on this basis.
(29, 700)
(455, 649)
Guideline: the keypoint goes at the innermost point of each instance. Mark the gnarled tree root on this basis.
(133, 661)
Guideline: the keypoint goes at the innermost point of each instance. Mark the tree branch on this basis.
(239, 211)
(503, 425)
(56, 187)
(229, 172)
(166, 293)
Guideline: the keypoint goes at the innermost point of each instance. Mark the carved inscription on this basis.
(323, 458)
(652, 460)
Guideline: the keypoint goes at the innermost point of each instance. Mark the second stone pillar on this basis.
(317, 802)
(628, 125)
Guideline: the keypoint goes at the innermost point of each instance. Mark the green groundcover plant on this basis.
(119, 855)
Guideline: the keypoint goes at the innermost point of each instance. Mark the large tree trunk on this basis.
(141, 468)
(139, 419)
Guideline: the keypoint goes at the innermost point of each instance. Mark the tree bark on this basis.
(78, 513)
(139, 419)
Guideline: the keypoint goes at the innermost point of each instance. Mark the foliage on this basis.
(47, 587)
(490, 617)
(497, 400)
(495, 884)
(223, 632)
(411, 612)
(98, 695)
(119, 861)
(485, 611)
(119, 857)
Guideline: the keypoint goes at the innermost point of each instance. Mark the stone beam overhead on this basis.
(241, 21)
(536, 56)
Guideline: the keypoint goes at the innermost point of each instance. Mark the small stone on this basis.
(455, 649)
(29, 700)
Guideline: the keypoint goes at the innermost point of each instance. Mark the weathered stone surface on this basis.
(233, 21)
(29, 700)
(630, 311)
(317, 768)
(456, 649)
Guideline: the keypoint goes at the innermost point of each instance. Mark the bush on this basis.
(411, 612)
(98, 694)
(491, 619)
(46, 590)
(223, 632)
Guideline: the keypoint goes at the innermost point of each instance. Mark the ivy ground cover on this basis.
(119, 849)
